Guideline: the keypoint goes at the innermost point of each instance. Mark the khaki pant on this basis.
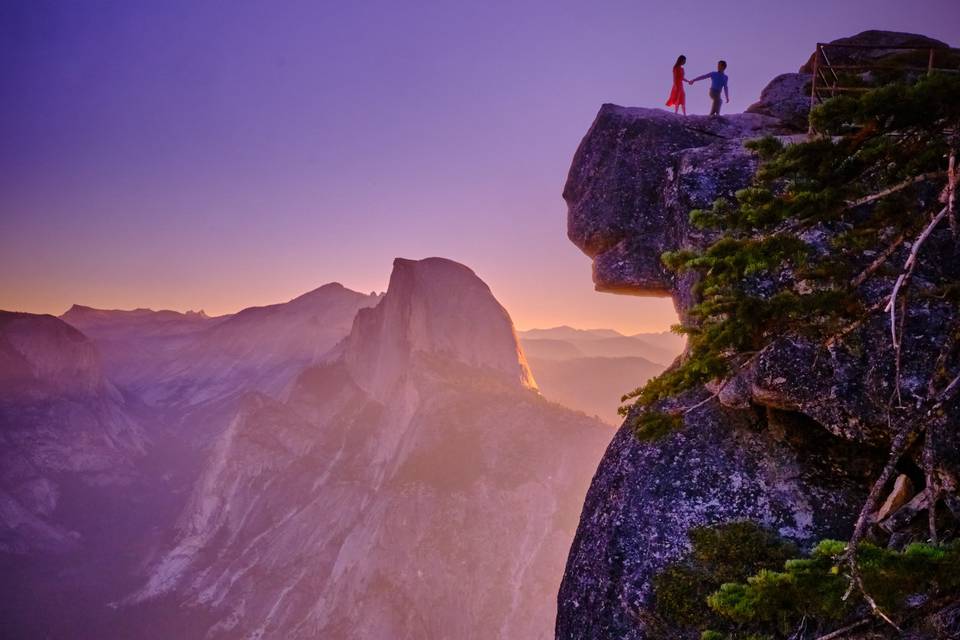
(715, 96)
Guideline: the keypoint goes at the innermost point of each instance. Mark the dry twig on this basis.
(895, 188)
(839, 633)
(876, 264)
(908, 268)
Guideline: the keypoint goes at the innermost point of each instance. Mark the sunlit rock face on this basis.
(439, 308)
(61, 423)
(795, 439)
(415, 485)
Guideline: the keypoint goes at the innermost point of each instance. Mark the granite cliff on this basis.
(794, 437)
(412, 485)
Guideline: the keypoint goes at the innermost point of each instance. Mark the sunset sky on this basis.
(216, 155)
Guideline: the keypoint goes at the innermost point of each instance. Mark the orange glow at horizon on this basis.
(529, 308)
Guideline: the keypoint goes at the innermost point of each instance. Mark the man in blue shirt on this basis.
(718, 81)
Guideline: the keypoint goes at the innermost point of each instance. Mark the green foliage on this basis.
(653, 425)
(813, 586)
(763, 277)
(740, 581)
(724, 553)
(926, 105)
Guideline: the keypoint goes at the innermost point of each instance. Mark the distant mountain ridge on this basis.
(340, 465)
(590, 369)
(177, 359)
(413, 485)
(661, 347)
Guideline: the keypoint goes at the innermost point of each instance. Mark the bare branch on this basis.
(869, 271)
(703, 402)
(856, 580)
(839, 335)
(931, 479)
(900, 443)
(839, 633)
(949, 390)
(952, 190)
(895, 188)
(908, 268)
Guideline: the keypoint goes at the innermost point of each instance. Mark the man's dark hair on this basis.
(723, 63)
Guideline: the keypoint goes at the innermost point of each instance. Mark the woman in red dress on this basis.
(678, 97)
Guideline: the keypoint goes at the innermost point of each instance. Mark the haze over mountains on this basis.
(342, 465)
(590, 369)
(61, 421)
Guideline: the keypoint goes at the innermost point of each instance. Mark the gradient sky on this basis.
(216, 155)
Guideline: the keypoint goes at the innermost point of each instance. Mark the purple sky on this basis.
(199, 154)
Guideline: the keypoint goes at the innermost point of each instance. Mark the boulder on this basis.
(786, 98)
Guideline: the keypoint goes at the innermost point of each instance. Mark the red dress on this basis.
(678, 97)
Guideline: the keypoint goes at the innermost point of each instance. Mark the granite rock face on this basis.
(725, 465)
(635, 178)
(786, 98)
(797, 433)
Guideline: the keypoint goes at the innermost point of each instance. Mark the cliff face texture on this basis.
(797, 435)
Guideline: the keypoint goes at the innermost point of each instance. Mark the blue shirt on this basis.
(718, 80)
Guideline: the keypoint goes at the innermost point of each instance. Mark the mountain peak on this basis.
(434, 306)
(37, 349)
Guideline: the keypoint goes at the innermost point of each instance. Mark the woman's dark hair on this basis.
(681, 60)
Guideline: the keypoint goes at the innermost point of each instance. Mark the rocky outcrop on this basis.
(786, 98)
(878, 41)
(798, 431)
(415, 485)
(635, 178)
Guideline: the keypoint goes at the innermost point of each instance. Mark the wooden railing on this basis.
(825, 79)
(827, 82)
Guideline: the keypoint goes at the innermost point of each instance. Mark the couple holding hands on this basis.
(718, 83)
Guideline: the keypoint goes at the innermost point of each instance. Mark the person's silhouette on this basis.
(678, 97)
(718, 82)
